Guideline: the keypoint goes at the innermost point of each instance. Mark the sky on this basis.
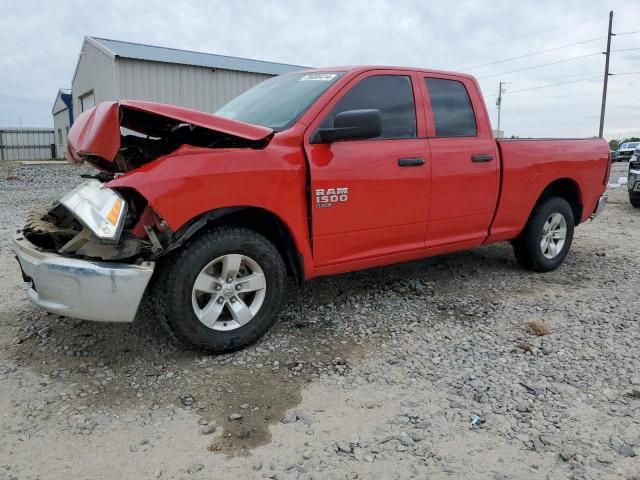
(40, 43)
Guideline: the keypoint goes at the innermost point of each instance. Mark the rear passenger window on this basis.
(452, 110)
(391, 94)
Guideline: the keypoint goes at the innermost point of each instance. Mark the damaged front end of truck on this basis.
(92, 253)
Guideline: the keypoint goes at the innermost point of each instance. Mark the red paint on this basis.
(97, 131)
(392, 214)
(202, 119)
(148, 218)
(388, 205)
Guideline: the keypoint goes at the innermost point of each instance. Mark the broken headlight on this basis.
(101, 210)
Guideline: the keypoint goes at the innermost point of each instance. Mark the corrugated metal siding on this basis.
(26, 143)
(96, 71)
(184, 85)
(60, 128)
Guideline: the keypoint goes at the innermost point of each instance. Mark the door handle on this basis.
(481, 157)
(411, 161)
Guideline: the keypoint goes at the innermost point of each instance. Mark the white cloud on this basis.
(40, 42)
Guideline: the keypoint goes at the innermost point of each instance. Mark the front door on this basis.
(370, 197)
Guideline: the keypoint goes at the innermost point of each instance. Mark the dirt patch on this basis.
(115, 367)
(538, 327)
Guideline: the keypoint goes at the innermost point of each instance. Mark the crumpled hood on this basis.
(96, 133)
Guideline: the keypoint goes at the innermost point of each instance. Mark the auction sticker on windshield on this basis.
(322, 77)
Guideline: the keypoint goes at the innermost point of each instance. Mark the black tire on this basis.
(177, 274)
(527, 246)
(635, 201)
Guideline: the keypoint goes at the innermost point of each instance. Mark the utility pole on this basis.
(606, 75)
(499, 102)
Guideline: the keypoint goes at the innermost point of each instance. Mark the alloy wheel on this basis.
(228, 292)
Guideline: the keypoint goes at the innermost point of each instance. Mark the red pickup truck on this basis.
(307, 174)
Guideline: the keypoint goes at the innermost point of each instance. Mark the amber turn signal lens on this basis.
(114, 213)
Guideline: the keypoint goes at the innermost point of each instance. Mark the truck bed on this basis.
(530, 165)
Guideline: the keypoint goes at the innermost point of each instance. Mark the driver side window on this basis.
(391, 94)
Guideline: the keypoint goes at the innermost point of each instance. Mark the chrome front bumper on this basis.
(99, 291)
(602, 202)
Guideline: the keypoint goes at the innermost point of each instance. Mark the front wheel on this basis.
(546, 239)
(635, 201)
(222, 291)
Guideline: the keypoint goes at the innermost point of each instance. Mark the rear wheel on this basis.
(635, 201)
(546, 239)
(222, 291)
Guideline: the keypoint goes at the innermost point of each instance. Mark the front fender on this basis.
(192, 181)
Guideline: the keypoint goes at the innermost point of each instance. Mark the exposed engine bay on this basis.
(118, 137)
(154, 136)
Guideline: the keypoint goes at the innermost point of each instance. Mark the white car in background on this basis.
(625, 151)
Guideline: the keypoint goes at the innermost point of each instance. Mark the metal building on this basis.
(29, 143)
(114, 70)
(62, 120)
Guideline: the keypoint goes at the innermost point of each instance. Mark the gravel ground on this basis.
(430, 369)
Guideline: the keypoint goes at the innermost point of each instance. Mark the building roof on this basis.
(64, 94)
(139, 51)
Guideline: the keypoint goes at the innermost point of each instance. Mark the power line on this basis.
(555, 84)
(549, 85)
(566, 83)
(533, 53)
(582, 94)
(625, 49)
(542, 65)
(627, 33)
(565, 76)
(627, 11)
(520, 36)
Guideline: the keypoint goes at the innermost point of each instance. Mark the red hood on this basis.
(96, 133)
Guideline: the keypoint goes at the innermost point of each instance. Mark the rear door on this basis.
(464, 162)
(370, 197)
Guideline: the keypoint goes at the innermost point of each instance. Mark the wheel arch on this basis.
(568, 189)
(262, 221)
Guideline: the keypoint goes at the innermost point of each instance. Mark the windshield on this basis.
(629, 145)
(278, 102)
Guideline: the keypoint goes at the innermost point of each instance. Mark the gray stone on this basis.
(290, 418)
(343, 447)
(44, 332)
(195, 468)
(604, 458)
(625, 450)
(208, 429)
(235, 416)
(567, 455)
(406, 440)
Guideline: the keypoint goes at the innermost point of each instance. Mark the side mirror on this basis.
(351, 125)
